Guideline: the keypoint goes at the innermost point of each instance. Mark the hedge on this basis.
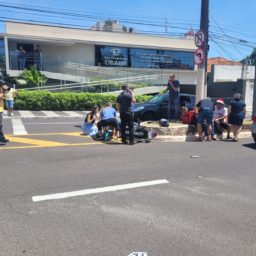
(44, 100)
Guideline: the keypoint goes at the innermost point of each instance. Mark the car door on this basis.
(163, 106)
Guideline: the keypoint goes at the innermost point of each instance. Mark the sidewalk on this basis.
(182, 132)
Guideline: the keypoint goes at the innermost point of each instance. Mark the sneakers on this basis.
(235, 139)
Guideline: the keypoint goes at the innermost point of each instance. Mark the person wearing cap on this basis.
(173, 105)
(237, 112)
(220, 115)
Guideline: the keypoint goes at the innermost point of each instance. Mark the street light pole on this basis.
(201, 87)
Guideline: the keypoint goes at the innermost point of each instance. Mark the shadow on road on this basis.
(250, 145)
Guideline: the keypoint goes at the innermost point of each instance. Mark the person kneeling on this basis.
(90, 127)
(108, 119)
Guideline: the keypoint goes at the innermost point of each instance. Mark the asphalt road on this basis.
(207, 208)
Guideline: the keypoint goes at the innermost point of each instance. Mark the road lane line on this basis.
(73, 114)
(49, 146)
(18, 127)
(26, 113)
(57, 123)
(98, 190)
(50, 114)
(43, 143)
(76, 134)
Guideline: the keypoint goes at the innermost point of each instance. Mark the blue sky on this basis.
(229, 18)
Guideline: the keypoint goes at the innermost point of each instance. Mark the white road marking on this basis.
(50, 114)
(73, 114)
(73, 123)
(18, 127)
(98, 190)
(26, 113)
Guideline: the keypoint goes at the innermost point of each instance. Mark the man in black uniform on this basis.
(124, 105)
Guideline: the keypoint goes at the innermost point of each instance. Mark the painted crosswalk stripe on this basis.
(98, 190)
(18, 127)
(26, 113)
(73, 114)
(50, 114)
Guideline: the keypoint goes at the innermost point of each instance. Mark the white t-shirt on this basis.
(10, 94)
(218, 113)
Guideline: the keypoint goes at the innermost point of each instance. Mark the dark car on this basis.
(157, 107)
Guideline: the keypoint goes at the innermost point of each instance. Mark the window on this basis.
(161, 98)
(143, 58)
(2, 54)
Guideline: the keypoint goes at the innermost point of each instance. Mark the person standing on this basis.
(3, 140)
(124, 106)
(205, 114)
(21, 54)
(38, 57)
(9, 100)
(237, 111)
(174, 102)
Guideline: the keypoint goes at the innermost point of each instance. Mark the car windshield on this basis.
(159, 98)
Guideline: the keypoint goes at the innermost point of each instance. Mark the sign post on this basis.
(199, 59)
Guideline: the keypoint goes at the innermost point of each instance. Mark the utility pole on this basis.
(201, 87)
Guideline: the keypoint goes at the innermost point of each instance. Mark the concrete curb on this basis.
(192, 138)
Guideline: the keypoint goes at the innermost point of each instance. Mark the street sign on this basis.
(200, 38)
(199, 56)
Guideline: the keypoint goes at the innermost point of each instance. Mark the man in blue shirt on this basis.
(174, 103)
(108, 118)
(205, 108)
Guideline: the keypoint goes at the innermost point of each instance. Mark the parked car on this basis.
(254, 128)
(157, 107)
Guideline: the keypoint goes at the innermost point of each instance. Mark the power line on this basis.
(235, 47)
(222, 49)
(72, 14)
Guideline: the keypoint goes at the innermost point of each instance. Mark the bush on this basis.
(44, 100)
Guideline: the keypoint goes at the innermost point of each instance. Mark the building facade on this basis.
(70, 53)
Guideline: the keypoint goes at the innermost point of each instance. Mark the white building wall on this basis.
(231, 73)
(43, 32)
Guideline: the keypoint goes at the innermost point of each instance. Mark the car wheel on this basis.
(254, 137)
(149, 116)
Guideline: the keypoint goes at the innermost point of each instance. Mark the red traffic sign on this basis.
(200, 38)
(199, 56)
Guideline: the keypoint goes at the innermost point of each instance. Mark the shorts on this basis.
(205, 114)
(9, 103)
(108, 122)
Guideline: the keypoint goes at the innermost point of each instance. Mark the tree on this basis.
(33, 77)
